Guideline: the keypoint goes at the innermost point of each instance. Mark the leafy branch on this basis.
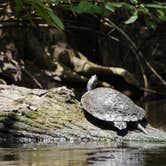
(154, 12)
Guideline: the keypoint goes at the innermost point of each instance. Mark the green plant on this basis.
(153, 12)
(42, 8)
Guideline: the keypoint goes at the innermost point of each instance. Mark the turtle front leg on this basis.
(140, 127)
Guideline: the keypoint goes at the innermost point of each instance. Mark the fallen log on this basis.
(37, 115)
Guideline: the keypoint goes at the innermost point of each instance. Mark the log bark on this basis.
(36, 115)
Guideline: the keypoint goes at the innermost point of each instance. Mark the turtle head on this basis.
(92, 83)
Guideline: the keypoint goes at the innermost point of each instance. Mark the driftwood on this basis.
(72, 65)
(36, 115)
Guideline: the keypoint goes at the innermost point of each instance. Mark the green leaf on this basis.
(42, 12)
(56, 20)
(109, 6)
(143, 9)
(116, 4)
(150, 24)
(134, 1)
(35, 2)
(19, 5)
(87, 7)
(161, 14)
(156, 6)
(131, 19)
(134, 13)
(113, 5)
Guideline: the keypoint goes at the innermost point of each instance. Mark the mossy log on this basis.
(36, 115)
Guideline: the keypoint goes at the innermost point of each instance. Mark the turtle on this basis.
(110, 105)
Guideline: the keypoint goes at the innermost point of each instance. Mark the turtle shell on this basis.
(111, 105)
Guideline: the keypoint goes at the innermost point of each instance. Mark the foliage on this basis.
(153, 12)
(41, 8)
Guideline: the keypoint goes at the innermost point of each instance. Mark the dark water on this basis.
(93, 154)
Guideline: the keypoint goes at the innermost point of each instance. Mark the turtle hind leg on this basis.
(120, 125)
(140, 127)
(122, 128)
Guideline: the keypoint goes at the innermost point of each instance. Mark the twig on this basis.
(33, 78)
(143, 75)
(152, 91)
(134, 49)
(133, 46)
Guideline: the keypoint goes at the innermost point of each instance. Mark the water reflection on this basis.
(117, 157)
(85, 155)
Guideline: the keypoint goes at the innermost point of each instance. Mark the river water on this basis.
(93, 154)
